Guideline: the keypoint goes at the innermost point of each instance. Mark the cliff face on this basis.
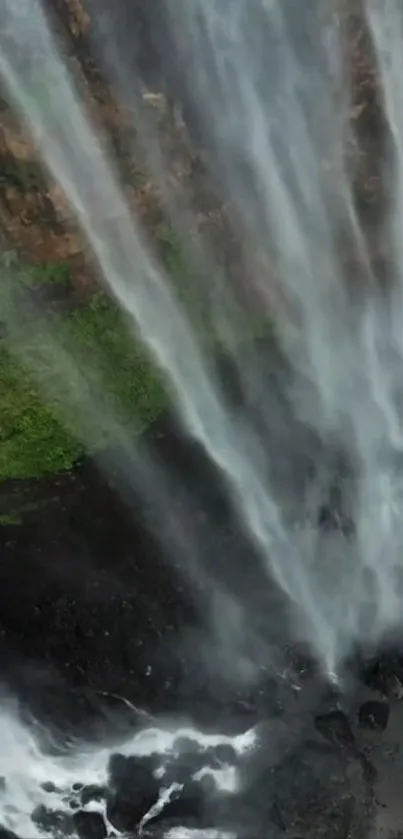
(34, 216)
(37, 222)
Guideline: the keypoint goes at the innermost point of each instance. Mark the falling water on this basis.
(268, 91)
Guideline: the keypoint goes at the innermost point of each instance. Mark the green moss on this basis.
(51, 408)
(67, 379)
(10, 518)
(116, 366)
(46, 273)
(33, 440)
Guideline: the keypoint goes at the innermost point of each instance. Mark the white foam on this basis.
(27, 762)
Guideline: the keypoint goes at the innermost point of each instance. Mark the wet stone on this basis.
(184, 767)
(7, 834)
(54, 822)
(225, 753)
(187, 805)
(384, 675)
(185, 745)
(374, 715)
(74, 804)
(134, 790)
(276, 816)
(92, 792)
(89, 825)
(335, 727)
(49, 786)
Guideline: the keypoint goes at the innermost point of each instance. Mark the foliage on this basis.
(32, 437)
(7, 519)
(69, 379)
(46, 273)
(62, 375)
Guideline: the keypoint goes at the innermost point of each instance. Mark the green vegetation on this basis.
(65, 377)
(46, 273)
(10, 518)
(70, 379)
(32, 437)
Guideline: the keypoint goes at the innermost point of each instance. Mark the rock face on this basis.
(34, 215)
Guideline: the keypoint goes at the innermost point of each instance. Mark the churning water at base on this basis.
(36, 776)
(266, 91)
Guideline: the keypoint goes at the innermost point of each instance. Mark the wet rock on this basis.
(49, 786)
(188, 806)
(92, 792)
(7, 834)
(335, 727)
(54, 822)
(184, 767)
(133, 790)
(89, 825)
(74, 804)
(384, 675)
(185, 745)
(316, 794)
(225, 753)
(276, 816)
(374, 715)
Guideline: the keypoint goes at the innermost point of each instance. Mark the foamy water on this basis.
(27, 763)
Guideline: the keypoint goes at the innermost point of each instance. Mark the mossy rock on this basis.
(70, 379)
(44, 408)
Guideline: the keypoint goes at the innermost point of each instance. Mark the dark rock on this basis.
(92, 792)
(335, 727)
(185, 745)
(7, 834)
(374, 715)
(311, 794)
(181, 770)
(277, 817)
(55, 822)
(134, 790)
(49, 786)
(225, 753)
(188, 804)
(89, 825)
(384, 674)
(133, 771)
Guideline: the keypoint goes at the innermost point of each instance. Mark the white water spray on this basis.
(27, 766)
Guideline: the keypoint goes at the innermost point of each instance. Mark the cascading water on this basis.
(267, 95)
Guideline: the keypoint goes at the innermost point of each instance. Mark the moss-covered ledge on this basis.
(41, 316)
(37, 432)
